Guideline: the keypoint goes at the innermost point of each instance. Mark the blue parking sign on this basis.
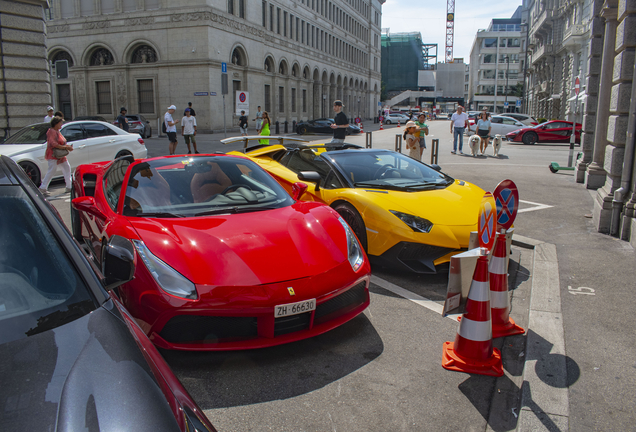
(223, 67)
(518, 103)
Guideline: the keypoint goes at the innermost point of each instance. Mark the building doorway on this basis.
(64, 100)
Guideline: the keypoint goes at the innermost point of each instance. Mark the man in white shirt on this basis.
(171, 128)
(459, 121)
(49, 114)
(189, 130)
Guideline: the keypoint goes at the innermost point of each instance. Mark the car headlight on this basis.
(416, 223)
(168, 279)
(354, 250)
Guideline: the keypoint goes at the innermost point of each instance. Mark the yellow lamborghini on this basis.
(405, 213)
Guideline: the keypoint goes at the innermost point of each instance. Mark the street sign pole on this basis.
(577, 88)
(224, 92)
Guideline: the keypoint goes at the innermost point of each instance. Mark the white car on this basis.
(93, 141)
(501, 125)
(523, 118)
(394, 118)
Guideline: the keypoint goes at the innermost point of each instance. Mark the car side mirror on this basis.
(87, 204)
(311, 176)
(298, 189)
(436, 167)
(118, 262)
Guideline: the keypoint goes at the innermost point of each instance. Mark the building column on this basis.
(592, 79)
(619, 107)
(595, 175)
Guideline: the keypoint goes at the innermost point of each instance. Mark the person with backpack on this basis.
(243, 123)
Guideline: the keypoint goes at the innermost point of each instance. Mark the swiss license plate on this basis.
(294, 308)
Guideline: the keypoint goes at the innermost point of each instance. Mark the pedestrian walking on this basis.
(49, 114)
(412, 142)
(189, 130)
(341, 123)
(483, 130)
(259, 119)
(192, 112)
(55, 140)
(243, 123)
(265, 128)
(122, 121)
(459, 122)
(421, 134)
(171, 129)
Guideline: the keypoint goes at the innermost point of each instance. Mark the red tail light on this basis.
(141, 141)
(135, 123)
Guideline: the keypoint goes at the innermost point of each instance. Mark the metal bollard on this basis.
(398, 143)
(286, 124)
(293, 126)
(277, 128)
(434, 150)
(369, 142)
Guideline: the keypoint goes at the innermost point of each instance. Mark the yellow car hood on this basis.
(456, 205)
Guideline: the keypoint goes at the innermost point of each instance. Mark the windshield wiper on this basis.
(160, 214)
(223, 210)
(380, 186)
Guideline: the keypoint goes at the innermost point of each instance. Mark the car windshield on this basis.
(34, 134)
(388, 170)
(200, 186)
(39, 286)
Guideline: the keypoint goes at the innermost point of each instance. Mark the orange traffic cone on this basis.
(502, 324)
(361, 130)
(472, 351)
(381, 128)
(398, 123)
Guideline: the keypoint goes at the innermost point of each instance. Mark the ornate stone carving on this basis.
(139, 21)
(96, 25)
(121, 89)
(80, 90)
(56, 28)
(235, 25)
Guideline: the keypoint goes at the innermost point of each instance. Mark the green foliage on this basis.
(542, 120)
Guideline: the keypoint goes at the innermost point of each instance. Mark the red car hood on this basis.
(251, 248)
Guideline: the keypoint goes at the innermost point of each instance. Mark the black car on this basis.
(321, 126)
(71, 357)
(94, 118)
(138, 124)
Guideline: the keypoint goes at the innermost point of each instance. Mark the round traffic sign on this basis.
(486, 223)
(577, 85)
(242, 97)
(506, 198)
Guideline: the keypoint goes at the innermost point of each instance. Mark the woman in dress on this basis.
(412, 142)
(483, 130)
(265, 128)
(54, 139)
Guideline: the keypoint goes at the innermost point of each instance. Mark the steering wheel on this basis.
(233, 187)
(383, 170)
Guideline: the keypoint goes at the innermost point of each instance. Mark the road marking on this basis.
(537, 206)
(415, 298)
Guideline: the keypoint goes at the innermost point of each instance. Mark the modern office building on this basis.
(402, 58)
(292, 57)
(496, 66)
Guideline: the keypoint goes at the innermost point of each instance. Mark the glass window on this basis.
(113, 181)
(39, 286)
(264, 14)
(488, 74)
(293, 100)
(281, 99)
(230, 7)
(145, 96)
(103, 97)
(502, 42)
(72, 132)
(267, 95)
(489, 58)
(490, 42)
(94, 130)
(35, 134)
(513, 42)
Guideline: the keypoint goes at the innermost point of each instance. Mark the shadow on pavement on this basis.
(235, 378)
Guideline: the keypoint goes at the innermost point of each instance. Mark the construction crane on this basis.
(450, 29)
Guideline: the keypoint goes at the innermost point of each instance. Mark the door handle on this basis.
(111, 140)
(82, 146)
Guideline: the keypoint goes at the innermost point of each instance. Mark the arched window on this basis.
(282, 68)
(238, 57)
(101, 57)
(144, 54)
(269, 65)
(63, 55)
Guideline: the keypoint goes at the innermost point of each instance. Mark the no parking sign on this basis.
(506, 198)
(486, 223)
(242, 102)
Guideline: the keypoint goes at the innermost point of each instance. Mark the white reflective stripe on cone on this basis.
(479, 291)
(499, 300)
(497, 265)
(479, 331)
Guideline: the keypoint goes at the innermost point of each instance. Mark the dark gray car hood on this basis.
(87, 375)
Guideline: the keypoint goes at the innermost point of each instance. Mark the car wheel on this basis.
(123, 153)
(149, 132)
(32, 171)
(302, 130)
(388, 122)
(353, 218)
(529, 138)
(76, 223)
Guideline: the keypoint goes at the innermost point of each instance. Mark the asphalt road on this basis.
(382, 371)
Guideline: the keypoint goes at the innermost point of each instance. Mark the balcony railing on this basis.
(574, 35)
(541, 52)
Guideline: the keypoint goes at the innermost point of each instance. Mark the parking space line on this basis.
(537, 206)
(415, 298)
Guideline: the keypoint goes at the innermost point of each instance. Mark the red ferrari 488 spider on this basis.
(227, 259)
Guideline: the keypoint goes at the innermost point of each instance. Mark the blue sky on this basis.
(429, 18)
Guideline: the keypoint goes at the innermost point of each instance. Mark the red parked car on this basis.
(227, 258)
(551, 131)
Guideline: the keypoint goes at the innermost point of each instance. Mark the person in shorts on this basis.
(189, 130)
(171, 129)
(483, 130)
(243, 123)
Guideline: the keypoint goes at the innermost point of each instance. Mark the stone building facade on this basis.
(25, 89)
(293, 57)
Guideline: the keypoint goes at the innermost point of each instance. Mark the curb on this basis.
(544, 392)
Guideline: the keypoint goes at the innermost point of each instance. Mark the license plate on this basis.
(294, 308)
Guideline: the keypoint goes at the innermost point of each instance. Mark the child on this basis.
(421, 134)
(412, 143)
(243, 123)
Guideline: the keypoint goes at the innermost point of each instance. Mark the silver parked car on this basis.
(93, 141)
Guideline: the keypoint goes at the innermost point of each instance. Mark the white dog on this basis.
(496, 145)
(473, 142)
